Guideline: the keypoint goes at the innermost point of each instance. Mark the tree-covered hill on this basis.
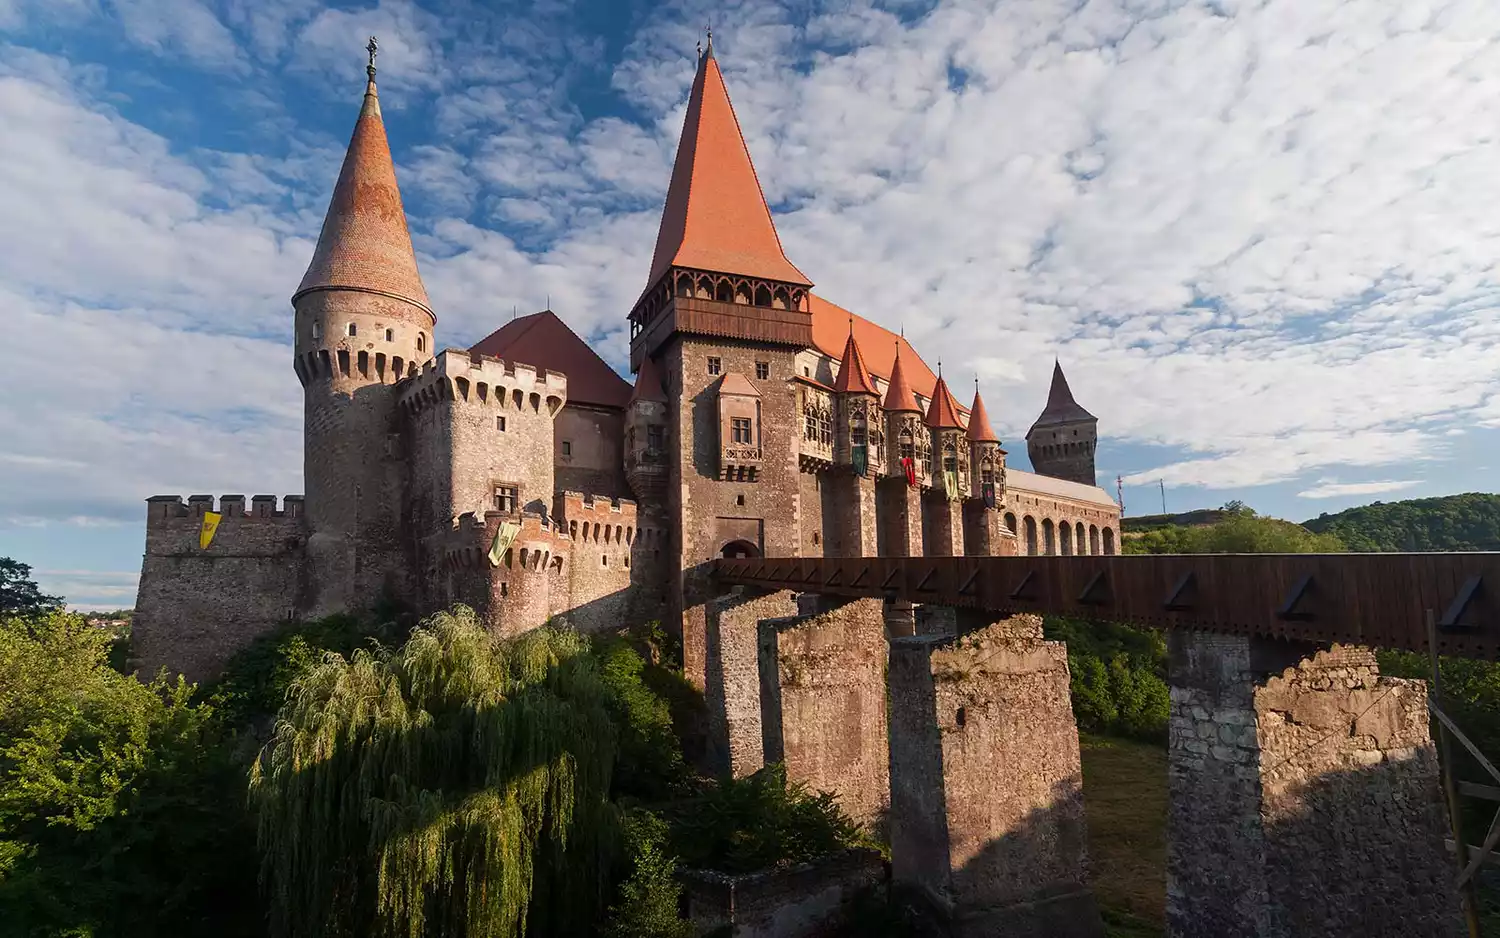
(1451, 522)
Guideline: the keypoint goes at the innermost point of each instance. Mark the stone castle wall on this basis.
(593, 438)
(196, 607)
(1027, 514)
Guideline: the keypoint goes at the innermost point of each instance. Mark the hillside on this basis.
(1451, 522)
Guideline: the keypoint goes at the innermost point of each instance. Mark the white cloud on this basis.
(1327, 488)
(186, 28)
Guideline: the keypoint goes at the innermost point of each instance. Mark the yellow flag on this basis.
(210, 525)
(503, 539)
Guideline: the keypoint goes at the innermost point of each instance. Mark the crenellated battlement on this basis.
(590, 519)
(467, 544)
(456, 375)
(163, 508)
(173, 526)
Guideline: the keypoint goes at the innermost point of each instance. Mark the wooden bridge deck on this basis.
(1364, 599)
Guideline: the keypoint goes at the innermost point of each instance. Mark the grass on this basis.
(1125, 797)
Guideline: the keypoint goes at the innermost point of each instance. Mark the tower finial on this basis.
(710, 31)
(372, 47)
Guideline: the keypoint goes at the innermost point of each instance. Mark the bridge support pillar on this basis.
(986, 787)
(856, 533)
(1303, 795)
(902, 507)
(731, 690)
(823, 704)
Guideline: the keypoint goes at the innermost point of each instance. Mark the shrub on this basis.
(649, 896)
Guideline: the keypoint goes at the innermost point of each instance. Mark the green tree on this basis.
(1452, 522)
(455, 786)
(1242, 532)
(19, 595)
(119, 803)
(648, 898)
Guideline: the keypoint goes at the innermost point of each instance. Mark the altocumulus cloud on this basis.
(1261, 235)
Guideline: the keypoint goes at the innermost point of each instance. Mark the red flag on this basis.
(911, 470)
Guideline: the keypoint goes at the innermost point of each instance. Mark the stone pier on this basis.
(987, 815)
(1304, 795)
(731, 692)
(823, 707)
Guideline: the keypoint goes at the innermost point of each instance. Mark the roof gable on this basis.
(545, 341)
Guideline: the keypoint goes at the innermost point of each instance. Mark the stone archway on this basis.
(739, 550)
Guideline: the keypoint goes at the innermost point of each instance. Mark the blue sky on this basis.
(1261, 235)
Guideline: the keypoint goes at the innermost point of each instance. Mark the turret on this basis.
(985, 455)
(860, 440)
(906, 438)
(948, 441)
(1061, 443)
(362, 323)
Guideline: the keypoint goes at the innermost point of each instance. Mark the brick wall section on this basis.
(823, 704)
(856, 525)
(813, 538)
(592, 590)
(901, 518)
(803, 901)
(194, 608)
(1304, 795)
(986, 785)
(732, 694)
(944, 526)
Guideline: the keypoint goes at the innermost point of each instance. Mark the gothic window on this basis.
(654, 441)
(950, 458)
(390, 335)
(353, 329)
(905, 445)
(818, 425)
(740, 429)
(762, 370)
(714, 365)
(505, 498)
(421, 341)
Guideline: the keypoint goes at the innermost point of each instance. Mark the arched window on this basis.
(317, 330)
(1030, 526)
(421, 341)
(353, 329)
(1065, 539)
(390, 335)
(1079, 540)
(1093, 539)
(1049, 543)
(1109, 542)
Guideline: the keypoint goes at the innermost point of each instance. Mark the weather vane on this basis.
(373, 47)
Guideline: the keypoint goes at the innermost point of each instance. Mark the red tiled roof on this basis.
(1061, 408)
(898, 396)
(877, 345)
(980, 430)
(545, 341)
(365, 244)
(942, 413)
(648, 386)
(853, 376)
(716, 217)
(736, 383)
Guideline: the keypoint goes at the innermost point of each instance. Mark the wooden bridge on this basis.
(1362, 599)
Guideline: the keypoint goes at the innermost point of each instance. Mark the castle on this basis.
(525, 478)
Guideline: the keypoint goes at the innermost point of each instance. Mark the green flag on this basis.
(861, 459)
(503, 538)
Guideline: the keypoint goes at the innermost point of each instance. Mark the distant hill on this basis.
(1140, 524)
(1452, 522)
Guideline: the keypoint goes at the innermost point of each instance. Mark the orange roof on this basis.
(898, 396)
(942, 413)
(830, 328)
(545, 341)
(716, 217)
(736, 383)
(853, 376)
(1061, 408)
(364, 244)
(648, 386)
(980, 430)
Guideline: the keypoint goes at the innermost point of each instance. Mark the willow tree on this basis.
(456, 786)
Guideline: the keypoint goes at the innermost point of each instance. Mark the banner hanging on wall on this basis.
(209, 529)
(503, 539)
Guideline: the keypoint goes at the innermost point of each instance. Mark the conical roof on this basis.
(980, 430)
(648, 386)
(853, 375)
(716, 217)
(942, 413)
(898, 396)
(365, 244)
(1061, 408)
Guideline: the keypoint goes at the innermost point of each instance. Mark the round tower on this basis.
(1061, 443)
(362, 323)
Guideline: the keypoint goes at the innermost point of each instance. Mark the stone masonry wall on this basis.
(194, 607)
(735, 745)
(823, 704)
(1304, 795)
(806, 901)
(594, 461)
(986, 785)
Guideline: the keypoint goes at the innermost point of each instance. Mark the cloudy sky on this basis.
(1262, 236)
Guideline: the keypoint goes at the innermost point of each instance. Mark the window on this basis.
(353, 330)
(317, 330)
(567, 447)
(390, 335)
(505, 498)
(500, 424)
(739, 429)
(654, 438)
(806, 372)
(421, 341)
(762, 370)
(739, 500)
(714, 365)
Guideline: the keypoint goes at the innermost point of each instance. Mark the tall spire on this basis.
(1061, 408)
(942, 413)
(853, 375)
(898, 396)
(980, 430)
(365, 245)
(716, 217)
